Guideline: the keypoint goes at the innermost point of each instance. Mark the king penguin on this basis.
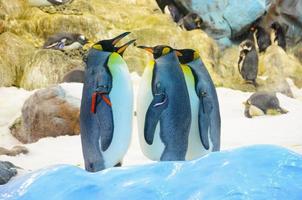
(163, 110)
(107, 105)
(48, 2)
(206, 122)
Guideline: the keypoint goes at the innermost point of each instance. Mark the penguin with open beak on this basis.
(206, 122)
(107, 105)
(163, 111)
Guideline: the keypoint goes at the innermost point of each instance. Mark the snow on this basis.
(253, 172)
(237, 130)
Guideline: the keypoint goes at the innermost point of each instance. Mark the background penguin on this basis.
(107, 106)
(163, 111)
(278, 35)
(48, 2)
(206, 122)
(261, 38)
(65, 41)
(176, 10)
(75, 75)
(248, 61)
(190, 22)
(262, 103)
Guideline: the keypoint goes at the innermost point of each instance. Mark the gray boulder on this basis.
(48, 112)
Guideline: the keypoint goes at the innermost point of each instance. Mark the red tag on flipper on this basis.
(93, 102)
(107, 101)
(94, 99)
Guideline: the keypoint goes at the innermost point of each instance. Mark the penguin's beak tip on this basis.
(178, 52)
(149, 49)
(120, 37)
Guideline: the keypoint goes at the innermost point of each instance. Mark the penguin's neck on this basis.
(197, 67)
(168, 61)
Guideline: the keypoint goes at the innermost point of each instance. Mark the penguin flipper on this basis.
(105, 120)
(205, 108)
(157, 106)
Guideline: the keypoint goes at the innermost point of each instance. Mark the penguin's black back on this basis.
(249, 68)
(280, 35)
(263, 39)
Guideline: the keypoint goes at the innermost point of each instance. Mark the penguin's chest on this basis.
(195, 147)
(144, 99)
(121, 97)
(73, 45)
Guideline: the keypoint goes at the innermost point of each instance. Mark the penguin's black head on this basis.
(187, 55)
(246, 45)
(81, 39)
(109, 45)
(276, 26)
(158, 51)
(254, 27)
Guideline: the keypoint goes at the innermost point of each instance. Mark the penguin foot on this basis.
(118, 164)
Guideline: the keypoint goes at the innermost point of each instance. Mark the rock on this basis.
(255, 172)
(289, 14)
(7, 171)
(228, 18)
(48, 112)
(277, 66)
(47, 67)
(75, 75)
(11, 9)
(14, 55)
(16, 150)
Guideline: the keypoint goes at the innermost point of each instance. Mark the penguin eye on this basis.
(166, 50)
(98, 47)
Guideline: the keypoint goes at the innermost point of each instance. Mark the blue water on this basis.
(257, 172)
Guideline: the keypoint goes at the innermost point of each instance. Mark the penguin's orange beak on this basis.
(121, 50)
(178, 53)
(118, 38)
(149, 49)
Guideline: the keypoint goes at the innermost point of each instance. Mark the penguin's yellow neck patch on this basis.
(151, 64)
(196, 55)
(98, 47)
(166, 50)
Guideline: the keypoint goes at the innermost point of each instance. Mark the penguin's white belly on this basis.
(39, 3)
(121, 97)
(74, 45)
(144, 99)
(195, 147)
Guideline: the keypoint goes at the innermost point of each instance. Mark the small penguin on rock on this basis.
(190, 22)
(263, 103)
(65, 41)
(261, 38)
(48, 2)
(278, 35)
(248, 62)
